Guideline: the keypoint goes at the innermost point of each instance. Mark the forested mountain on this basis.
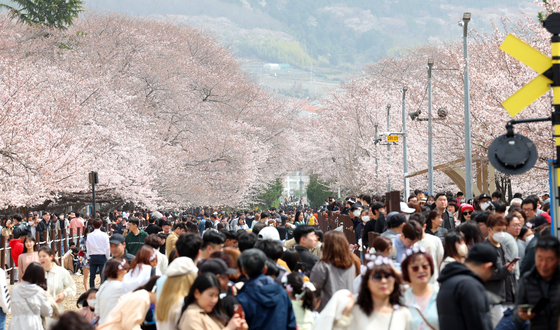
(323, 32)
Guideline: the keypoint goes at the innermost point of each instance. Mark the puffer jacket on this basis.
(531, 292)
(29, 303)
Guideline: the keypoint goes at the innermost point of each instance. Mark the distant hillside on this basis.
(324, 32)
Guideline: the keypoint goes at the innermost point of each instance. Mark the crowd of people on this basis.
(438, 262)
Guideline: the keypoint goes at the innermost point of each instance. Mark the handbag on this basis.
(423, 317)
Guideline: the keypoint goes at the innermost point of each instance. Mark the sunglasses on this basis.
(417, 268)
(467, 213)
(378, 276)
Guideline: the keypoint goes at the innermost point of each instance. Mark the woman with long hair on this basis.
(454, 248)
(60, 283)
(379, 305)
(335, 271)
(181, 275)
(29, 300)
(472, 233)
(465, 212)
(28, 256)
(433, 224)
(420, 297)
(299, 220)
(111, 290)
(203, 309)
(142, 268)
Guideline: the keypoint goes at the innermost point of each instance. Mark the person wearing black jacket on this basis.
(306, 239)
(540, 287)
(43, 226)
(375, 210)
(462, 301)
(152, 227)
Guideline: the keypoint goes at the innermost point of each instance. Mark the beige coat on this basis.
(194, 318)
(129, 312)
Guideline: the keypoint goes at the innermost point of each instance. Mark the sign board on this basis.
(537, 61)
(392, 138)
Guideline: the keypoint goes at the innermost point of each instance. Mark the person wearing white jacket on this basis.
(29, 302)
(4, 299)
(143, 266)
(60, 283)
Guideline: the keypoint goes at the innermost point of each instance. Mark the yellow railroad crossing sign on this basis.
(537, 61)
(392, 138)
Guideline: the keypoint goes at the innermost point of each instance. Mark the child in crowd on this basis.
(303, 296)
(87, 300)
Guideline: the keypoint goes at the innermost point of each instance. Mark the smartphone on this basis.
(525, 308)
(237, 309)
(515, 260)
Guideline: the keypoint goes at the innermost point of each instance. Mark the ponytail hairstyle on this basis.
(304, 291)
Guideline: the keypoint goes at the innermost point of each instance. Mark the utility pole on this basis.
(388, 150)
(405, 159)
(468, 153)
(376, 163)
(430, 151)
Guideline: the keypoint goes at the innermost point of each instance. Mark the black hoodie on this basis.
(462, 301)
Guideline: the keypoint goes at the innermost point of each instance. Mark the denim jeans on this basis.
(96, 262)
(2, 320)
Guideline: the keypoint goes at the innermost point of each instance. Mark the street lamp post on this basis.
(430, 152)
(468, 155)
(388, 150)
(376, 163)
(405, 161)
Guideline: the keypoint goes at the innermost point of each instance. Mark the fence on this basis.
(65, 236)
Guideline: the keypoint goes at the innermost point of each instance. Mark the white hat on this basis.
(269, 233)
(180, 266)
(406, 209)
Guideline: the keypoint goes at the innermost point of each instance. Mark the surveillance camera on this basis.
(414, 115)
(442, 113)
(461, 23)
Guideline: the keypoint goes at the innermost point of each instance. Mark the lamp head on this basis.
(466, 17)
(388, 106)
(404, 89)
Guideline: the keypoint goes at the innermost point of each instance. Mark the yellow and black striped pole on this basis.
(552, 24)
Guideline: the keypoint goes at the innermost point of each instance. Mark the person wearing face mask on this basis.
(364, 219)
(454, 249)
(87, 300)
(502, 285)
(356, 211)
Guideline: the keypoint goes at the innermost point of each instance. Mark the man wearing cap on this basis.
(395, 222)
(441, 205)
(462, 301)
(117, 246)
(545, 198)
(219, 268)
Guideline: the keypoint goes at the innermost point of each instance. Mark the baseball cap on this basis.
(269, 233)
(216, 266)
(483, 253)
(116, 239)
(484, 195)
(406, 209)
